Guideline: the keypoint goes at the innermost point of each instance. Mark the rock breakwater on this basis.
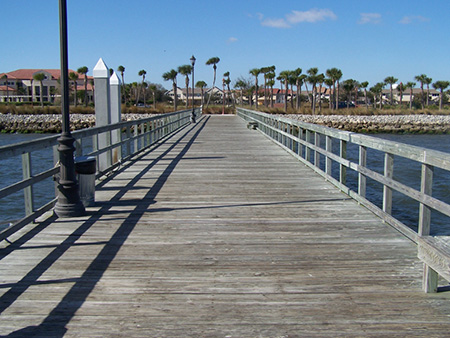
(381, 123)
(51, 123)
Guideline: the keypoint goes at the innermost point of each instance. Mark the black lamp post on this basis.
(69, 203)
(193, 108)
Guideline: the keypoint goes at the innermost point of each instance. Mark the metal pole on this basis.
(193, 107)
(223, 96)
(69, 203)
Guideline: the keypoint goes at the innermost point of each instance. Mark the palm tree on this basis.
(401, 89)
(74, 77)
(390, 80)
(212, 61)
(349, 86)
(298, 83)
(227, 82)
(329, 82)
(153, 88)
(142, 73)
(271, 83)
(172, 76)
(266, 71)
(186, 70)
(428, 81)
(313, 79)
(93, 88)
(335, 74)
(378, 90)
(255, 72)
(410, 85)
(40, 77)
(201, 85)
(441, 85)
(364, 86)
(241, 85)
(284, 77)
(421, 78)
(121, 70)
(321, 79)
(83, 71)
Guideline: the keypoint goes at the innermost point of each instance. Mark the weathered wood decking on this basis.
(217, 233)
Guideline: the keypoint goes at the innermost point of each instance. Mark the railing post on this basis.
(328, 161)
(116, 115)
(136, 138)
(430, 277)
(28, 191)
(361, 177)
(316, 153)
(102, 111)
(387, 192)
(79, 147)
(128, 131)
(300, 146)
(308, 149)
(143, 136)
(426, 185)
(342, 168)
(149, 135)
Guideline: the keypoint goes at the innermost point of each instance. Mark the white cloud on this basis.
(372, 18)
(413, 18)
(275, 23)
(296, 17)
(232, 39)
(313, 15)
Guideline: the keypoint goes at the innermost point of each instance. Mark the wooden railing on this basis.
(133, 137)
(321, 148)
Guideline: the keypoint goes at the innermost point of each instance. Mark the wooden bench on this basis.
(435, 253)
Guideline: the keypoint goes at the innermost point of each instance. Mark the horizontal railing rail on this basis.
(133, 137)
(313, 145)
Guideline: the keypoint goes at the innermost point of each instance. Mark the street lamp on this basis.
(69, 203)
(193, 108)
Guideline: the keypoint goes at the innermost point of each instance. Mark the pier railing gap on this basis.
(303, 140)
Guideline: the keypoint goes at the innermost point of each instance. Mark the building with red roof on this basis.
(20, 85)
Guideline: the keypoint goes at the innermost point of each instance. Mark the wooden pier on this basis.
(216, 232)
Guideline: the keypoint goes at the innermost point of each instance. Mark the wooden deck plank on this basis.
(217, 233)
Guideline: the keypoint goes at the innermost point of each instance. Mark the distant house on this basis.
(406, 97)
(20, 86)
(181, 94)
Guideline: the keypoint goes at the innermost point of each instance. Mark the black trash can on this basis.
(85, 168)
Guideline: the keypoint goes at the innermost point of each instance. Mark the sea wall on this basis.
(12, 123)
(381, 123)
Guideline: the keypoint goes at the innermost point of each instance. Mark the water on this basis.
(12, 207)
(406, 171)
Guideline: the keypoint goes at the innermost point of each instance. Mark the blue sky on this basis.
(367, 39)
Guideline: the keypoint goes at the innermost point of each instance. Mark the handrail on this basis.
(135, 136)
(295, 135)
(303, 140)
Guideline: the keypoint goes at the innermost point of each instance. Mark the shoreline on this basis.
(412, 124)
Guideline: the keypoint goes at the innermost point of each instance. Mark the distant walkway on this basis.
(217, 232)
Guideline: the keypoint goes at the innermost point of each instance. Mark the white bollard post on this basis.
(102, 111)
(116, 114)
